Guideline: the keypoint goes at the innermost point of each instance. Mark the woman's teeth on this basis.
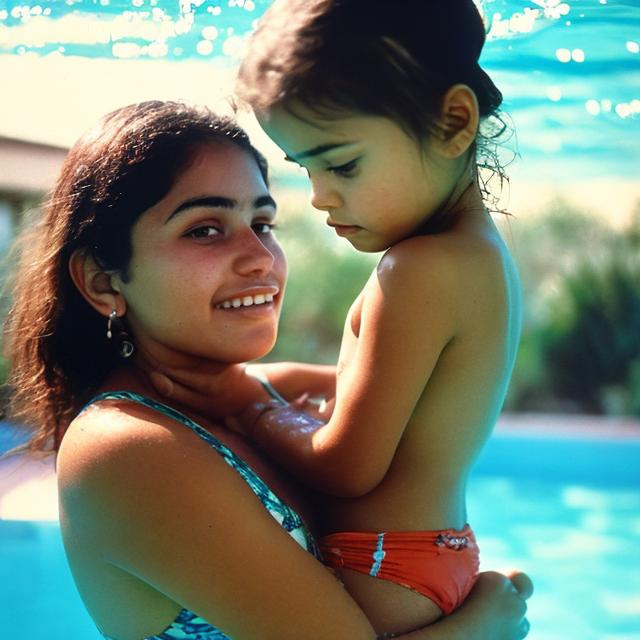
(245, 301)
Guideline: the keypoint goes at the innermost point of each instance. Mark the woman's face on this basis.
(207, 275)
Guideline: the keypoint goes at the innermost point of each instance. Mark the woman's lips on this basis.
(246, 301)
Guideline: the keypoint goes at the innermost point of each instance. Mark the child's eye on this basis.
(346, 169)
(263, 228)
(205, 231)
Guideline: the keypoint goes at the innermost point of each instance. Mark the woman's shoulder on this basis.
(114, 443)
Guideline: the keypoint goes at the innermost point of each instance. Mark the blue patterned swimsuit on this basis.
(187, 625)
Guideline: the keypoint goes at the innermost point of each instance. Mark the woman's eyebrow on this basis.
(219, 202)
(316, 151)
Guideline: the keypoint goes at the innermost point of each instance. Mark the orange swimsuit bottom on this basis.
(441, 565)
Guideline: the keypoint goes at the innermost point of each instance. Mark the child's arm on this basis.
(294, 379)
(409, 315)
(218, 394)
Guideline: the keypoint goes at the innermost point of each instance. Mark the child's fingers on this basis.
(169, 388)
(300, 401)
(233, 424)
(326, 408)
(197, 379)
(162, 384)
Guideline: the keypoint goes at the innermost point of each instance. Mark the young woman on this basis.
(155, 250)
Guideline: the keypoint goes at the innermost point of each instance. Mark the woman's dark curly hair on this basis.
(55, 340)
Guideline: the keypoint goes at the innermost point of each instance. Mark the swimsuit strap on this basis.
(266, 385)
(289, 519)
(187, 624)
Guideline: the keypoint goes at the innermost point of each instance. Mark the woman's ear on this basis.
(98, 287)
(460, 118)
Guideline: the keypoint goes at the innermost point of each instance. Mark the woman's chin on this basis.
(251, 352)
(183, 353)
(244, 351)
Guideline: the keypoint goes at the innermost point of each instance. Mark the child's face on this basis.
(206, 244)
(375, 182)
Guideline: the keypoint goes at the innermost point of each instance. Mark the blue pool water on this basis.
(565, 510)
(569, 70)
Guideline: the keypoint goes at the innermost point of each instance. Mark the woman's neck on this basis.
(216, 391)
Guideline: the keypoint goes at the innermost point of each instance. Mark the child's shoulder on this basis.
(445, 254)
(452, 267)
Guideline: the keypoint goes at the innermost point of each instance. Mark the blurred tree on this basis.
(581, 341)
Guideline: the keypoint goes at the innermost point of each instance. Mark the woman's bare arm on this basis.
(160, 505)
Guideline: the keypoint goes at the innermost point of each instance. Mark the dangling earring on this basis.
(126, 347)
(113, 316)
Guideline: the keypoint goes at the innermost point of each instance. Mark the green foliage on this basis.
(325, 276)
(580, 348)
(581, 342)
(595, 338)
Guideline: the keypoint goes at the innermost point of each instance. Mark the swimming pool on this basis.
(565, 509)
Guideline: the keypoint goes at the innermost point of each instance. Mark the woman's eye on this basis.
(206, 231)
(344, 169)
(263, 228)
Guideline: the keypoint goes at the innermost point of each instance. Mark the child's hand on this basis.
(192, 389)
(206, 390)
(247, 420)
(319, 408)
(273, 416)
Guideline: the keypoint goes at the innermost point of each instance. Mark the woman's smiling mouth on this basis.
(248, 300)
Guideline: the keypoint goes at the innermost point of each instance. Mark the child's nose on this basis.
(324, 197)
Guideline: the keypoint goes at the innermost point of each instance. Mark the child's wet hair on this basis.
(395, 60)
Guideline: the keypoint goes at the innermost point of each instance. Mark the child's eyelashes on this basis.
(346, 170)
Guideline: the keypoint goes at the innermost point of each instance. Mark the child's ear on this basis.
(98, 287)
(459, 118)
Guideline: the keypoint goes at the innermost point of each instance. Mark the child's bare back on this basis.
(459, 289)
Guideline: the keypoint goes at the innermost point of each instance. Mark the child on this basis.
(382, 107)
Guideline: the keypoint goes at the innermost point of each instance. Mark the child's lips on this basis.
(343, 229)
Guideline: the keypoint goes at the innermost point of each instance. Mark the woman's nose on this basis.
(253, 256)
(324, 197)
